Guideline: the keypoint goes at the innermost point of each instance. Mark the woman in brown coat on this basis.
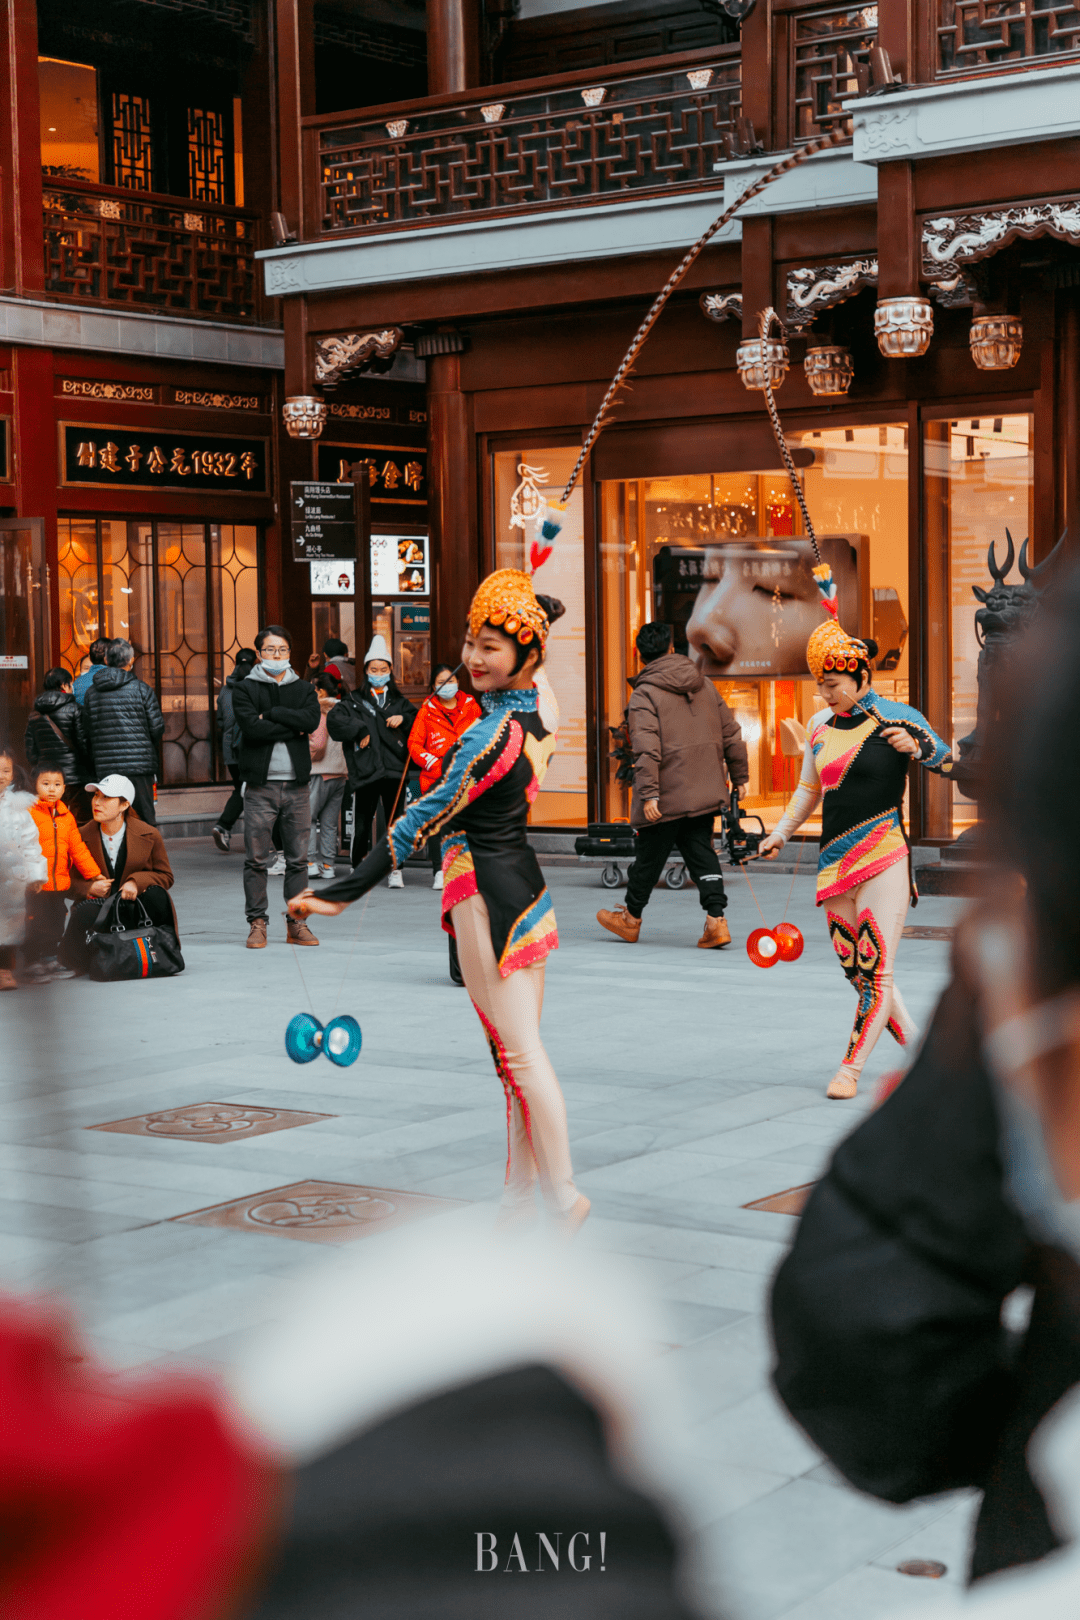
(131, 854)
(685, 741)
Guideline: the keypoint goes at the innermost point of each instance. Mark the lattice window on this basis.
(132, 142)
(975, 34)
(825, 47)
(207, 174)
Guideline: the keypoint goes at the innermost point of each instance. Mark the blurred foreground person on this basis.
(892, 1348)
(21, 863)
(428, 1418)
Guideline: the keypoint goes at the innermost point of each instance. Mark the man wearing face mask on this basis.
(276, 712)
(442, 718)
(373, 723)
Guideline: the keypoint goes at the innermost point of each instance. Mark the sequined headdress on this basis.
(831, 650)
(507, 600)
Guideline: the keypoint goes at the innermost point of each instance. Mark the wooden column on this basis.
(898, 242)
(934, 639)
(451, 505)
(295, 57)
(20, 156)
(1067, 419)
(757, 271)
(896, 24)
(757, 72)
(35, 460)
(453, 45)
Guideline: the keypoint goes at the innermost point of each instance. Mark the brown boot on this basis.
(298, 932)
(256, 940)
(717, 933)
(620, 922)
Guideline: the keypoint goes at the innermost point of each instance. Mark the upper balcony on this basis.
(655, 126)
(139, 250)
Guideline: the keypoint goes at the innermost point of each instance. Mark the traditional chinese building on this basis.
(512, 218)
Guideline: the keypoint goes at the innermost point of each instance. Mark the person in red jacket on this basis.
(63, 848)
(442, 718)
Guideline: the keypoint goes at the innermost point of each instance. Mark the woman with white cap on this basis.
(373, 723)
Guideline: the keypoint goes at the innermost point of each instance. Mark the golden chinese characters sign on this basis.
(126, 458)
(396, 473)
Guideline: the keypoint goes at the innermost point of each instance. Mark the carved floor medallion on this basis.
(211, 1122)
(791, 1202)
(320, 1211)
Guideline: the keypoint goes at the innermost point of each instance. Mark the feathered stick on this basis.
(554, 512)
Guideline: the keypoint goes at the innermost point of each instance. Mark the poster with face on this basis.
(746, 607)
(336, 577)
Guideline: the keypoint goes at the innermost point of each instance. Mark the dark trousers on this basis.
(289, 804)
(366, 800)
(75, 952)
(693, 836)
(143, 802)
(46, 915)
(234, 804)
(434, 849)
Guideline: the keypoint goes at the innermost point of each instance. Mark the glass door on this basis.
(24, 624)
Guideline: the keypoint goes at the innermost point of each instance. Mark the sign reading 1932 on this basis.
(161, 459)
(323, 521)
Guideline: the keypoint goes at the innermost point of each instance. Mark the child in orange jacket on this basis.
(63, 848)
(436, 730)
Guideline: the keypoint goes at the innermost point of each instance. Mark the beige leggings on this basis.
(509, 1009)
(865, 925)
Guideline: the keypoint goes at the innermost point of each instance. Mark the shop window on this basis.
(68, 95)
(978, 483)
(722, 558)
(186, 596)
(524, 480)
(132, 142)
(207, 162)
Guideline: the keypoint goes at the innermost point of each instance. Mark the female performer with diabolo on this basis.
(856, 763)
(495, 902)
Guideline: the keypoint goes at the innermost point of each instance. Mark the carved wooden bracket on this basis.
(950, 242)
(722, 306)
(336, 358)
(814, 288)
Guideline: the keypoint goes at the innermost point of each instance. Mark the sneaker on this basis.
(56, 969)
(222, 837)
(438, 880)
(620, 922)
(278, 868)
(395, 881)
(312, 868)
(327, 873)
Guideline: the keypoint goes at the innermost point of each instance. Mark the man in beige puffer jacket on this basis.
(682, 735)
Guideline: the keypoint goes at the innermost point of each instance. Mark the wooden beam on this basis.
(453, 44)
(451, 504)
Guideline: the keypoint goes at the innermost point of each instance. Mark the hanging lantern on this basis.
(829, 369)
(762, 362)
(304, 416)
(996, 341)
(903, 327)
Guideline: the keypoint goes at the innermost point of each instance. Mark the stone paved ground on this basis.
(694, 1083)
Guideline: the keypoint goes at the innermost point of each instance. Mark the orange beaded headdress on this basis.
(831, 649)
(507, 600)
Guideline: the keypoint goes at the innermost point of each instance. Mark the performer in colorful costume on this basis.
(494, 899)
(856, 765)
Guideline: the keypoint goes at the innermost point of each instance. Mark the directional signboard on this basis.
(323, 521)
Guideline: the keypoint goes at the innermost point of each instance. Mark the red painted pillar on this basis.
(36, 471)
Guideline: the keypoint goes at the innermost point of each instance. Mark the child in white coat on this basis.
(21, 863)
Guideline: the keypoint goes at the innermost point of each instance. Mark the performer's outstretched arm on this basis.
(480, 759)
(803, 802)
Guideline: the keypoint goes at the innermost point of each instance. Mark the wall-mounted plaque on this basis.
(126, 458)
(399, 565)
(397, 473)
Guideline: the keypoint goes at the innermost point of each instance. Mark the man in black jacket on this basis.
(52, 737)
(276, 712)
(122, 725)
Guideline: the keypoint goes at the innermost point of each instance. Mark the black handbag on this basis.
(146, 951)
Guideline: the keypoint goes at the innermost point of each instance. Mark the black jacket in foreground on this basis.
(122, 724)
(269, 713)
(890, 1350)
(357, 716)
(44, 747)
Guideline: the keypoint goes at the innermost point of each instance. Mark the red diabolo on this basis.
(763, 948)
(789, 941)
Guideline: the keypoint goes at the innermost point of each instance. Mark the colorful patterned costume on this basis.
(496, 903)
(864, 877)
